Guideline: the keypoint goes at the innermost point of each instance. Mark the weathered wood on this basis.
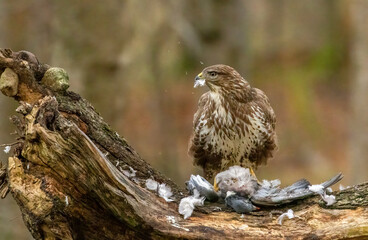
(66, 174)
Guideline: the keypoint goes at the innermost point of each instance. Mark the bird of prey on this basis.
(234, 123)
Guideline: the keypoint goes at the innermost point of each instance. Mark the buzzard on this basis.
(234, 123)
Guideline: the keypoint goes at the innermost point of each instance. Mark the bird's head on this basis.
(220, 76)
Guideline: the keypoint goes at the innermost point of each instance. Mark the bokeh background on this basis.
(135, 61)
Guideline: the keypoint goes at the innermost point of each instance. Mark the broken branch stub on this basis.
(9, 82)
(71, 176)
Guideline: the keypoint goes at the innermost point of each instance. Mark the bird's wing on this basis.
(264, 103)
(196, 142)
(202, 152)
(298, 190)
(332, 181)
(203, 187)
(203, 101)
(257, 124)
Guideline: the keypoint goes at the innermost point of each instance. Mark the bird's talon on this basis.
(252, 172)
(215, 186)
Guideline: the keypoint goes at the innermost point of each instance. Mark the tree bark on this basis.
(69, 173)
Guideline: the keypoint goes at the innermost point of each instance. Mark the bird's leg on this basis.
(253, 173)
(209, 176)
(215, 185)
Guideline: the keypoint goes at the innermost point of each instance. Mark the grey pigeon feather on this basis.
(239, 204)
(203, 187)
(298, 190)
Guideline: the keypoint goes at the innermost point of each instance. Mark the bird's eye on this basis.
(212, 74)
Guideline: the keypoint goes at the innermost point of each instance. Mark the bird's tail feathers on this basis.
(301, 184)
(332, 181)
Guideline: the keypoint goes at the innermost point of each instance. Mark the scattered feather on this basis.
(188, 204)
(172, 220)
(329, 199)
(165, 192)
(66, 200)
(199, 83)
(151, 184)
(242, 227)
(329, 190)
(289, 214)
(129, 173)
(203, 187)
(318, 188)
(7, 149)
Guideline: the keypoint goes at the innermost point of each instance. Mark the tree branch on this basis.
(69, 174)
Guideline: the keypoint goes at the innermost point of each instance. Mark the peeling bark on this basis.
(66, 174)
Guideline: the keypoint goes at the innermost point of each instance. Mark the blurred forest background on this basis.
(135, 61)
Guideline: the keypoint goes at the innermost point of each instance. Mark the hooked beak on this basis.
(199, 80)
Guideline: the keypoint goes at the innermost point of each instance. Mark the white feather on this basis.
(317, 188)
(329, 199)
(66, 200)
(151, 184)
(199, 83)
(165, 192)
(7, 149)
(289, 214)
(188, 204)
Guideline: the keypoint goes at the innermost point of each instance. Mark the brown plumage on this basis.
(234, 123)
